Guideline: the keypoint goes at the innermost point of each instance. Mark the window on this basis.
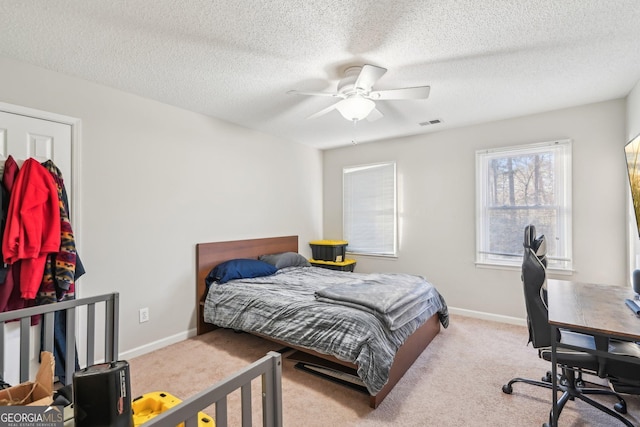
(369, 208)
(523, 185)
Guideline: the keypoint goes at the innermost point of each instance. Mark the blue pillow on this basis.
(239, 269)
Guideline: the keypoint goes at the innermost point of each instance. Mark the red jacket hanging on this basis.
(33, 225)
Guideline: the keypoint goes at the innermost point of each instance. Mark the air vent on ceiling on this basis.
(430, 122)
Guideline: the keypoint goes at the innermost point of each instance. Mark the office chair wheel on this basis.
(547, 378)
(507, 389)
(621, 407)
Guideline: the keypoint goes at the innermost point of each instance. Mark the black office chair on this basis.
(623, 375)
(572, 363)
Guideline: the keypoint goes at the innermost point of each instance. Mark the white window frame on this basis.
(388, 246)
(561, 259)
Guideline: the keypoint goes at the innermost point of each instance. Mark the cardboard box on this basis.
(33, 393)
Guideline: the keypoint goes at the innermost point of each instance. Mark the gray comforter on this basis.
(394, 298)
(283, 306)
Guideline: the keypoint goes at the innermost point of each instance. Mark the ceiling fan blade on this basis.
(368, 76)
(420, 92)
(374, 115)
(324, 111)
(297, 92)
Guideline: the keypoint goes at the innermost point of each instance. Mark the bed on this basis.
(101, 316)
(414, 337)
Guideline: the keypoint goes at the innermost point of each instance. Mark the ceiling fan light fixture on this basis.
(358, 96)
(355, 108)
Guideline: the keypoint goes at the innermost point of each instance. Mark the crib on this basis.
(100, 315)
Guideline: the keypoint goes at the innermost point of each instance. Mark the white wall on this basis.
(633, 112)
(154, 181)
(437, 202)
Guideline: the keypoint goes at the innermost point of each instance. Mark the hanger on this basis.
(20, 162)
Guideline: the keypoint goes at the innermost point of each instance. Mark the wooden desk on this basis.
(597, 310)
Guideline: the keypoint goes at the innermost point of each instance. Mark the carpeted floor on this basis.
(457, 381)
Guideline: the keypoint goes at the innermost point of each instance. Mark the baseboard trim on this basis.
(488, 316)
(156, 345)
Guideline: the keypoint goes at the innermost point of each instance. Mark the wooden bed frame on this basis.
(208, 255)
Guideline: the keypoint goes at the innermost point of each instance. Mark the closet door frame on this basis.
(75, 216)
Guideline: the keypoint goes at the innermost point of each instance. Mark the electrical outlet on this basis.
(144, 314)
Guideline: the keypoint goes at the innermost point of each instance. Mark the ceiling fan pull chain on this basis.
(353, 140)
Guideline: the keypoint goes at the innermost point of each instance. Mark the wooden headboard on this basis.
(208, 255)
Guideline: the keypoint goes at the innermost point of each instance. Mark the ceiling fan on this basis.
(358, 96)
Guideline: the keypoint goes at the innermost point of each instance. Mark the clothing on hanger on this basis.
(32, 230)
(10, 296)
(56, 266)
(60, 268)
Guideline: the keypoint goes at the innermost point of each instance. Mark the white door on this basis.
(23, 137)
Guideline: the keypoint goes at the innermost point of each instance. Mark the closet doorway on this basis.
(26, 133)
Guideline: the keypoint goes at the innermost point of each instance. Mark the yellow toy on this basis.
(151, 404)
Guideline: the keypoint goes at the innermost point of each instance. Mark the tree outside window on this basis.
(524, 185)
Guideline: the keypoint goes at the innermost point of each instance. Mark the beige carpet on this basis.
(457, 381)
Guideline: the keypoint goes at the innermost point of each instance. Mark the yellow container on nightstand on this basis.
(346, 265)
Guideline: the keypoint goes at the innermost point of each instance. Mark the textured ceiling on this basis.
(485, 60)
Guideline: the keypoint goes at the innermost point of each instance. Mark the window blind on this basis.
(369, 208)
